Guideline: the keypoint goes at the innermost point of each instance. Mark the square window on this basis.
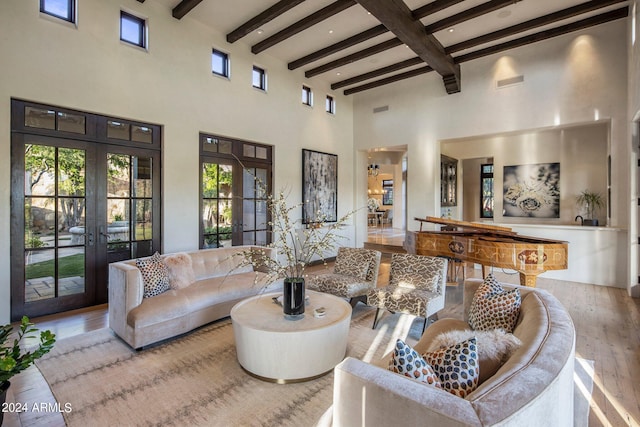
(307, 96)
(63, 9)
(220, 63)
(331, 105)
(259, 78)
(132, 29)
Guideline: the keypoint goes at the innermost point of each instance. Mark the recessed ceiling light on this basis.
(338, 73)
(330, 31)
(451, 30)
(259, 31)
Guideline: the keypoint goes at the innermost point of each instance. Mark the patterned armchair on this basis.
(416, 286)
(355, 272)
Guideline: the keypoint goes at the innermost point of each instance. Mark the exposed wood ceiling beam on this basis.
(184, 7)
(468, 14)
(141, 1)
(459, 17)
(398, 18)
(419, 13)
(344, 44)
(496, 35)
(303, 24)
(364, 53)
(523, 41)
(257, 21)
(377, 73)
(533, 23)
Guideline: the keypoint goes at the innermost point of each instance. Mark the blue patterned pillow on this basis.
(457, 367)
(406, 361)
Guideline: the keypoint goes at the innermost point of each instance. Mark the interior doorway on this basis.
(386, 195)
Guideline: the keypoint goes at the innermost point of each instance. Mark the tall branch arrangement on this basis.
(294, 250)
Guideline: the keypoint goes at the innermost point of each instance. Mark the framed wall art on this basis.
(532, 190)
(319, 187)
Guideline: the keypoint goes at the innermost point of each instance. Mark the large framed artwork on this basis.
(532, 190)
(319, 187)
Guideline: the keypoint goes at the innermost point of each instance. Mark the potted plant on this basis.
(589, 202)
(14, 359)
(296, 247)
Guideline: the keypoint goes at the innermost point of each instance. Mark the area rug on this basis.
(196, 379)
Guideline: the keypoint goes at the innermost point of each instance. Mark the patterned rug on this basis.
(195, 379)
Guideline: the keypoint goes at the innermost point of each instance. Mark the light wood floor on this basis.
(607, 323)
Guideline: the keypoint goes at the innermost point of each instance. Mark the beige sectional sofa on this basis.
(220, 281)
(534, 387)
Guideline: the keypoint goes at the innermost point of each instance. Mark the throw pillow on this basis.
(352, 262)
(154, 275)
(180, 268)
(494, 347)
(493, 307)
(406, 361)
(456, 366)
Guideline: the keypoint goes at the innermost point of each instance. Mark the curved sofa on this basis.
(534, 387)
(220, 282)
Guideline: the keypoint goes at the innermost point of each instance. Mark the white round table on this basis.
(273, 348)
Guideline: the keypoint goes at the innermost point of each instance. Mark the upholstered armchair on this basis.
(355, 272)
(417, 286)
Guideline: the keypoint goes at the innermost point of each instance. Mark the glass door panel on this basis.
(217, 205)
(55, 236)
(130, 207)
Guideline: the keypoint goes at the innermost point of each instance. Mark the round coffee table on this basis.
(273, 348)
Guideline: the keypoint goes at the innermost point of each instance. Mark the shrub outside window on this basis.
(220, 63)
(132, 29)
(63, 9)
(259, 78)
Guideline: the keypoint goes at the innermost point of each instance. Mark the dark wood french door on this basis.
(235, 182)
(78, 202)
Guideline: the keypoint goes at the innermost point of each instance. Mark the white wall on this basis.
(88, 68)
(634, 143)
(576, 78)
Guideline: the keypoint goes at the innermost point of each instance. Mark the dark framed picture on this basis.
(532, 190)
(319, 187)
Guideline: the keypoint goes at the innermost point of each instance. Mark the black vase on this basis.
(3, 397)
(293, 297)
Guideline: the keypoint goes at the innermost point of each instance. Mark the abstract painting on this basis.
(319, 187)
(532, 190)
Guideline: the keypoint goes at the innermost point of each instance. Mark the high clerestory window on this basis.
(330, 105)
(259, 78)
(133, 29)
(307, 96)
(220, 63)
(63, 9)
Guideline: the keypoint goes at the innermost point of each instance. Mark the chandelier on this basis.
(373, 169)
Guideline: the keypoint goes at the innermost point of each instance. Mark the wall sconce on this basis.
(373, 170)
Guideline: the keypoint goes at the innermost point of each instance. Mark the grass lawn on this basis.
(68, 266)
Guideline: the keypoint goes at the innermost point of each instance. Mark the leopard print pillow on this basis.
(457, 367)
(493, 307)
(155, 275)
